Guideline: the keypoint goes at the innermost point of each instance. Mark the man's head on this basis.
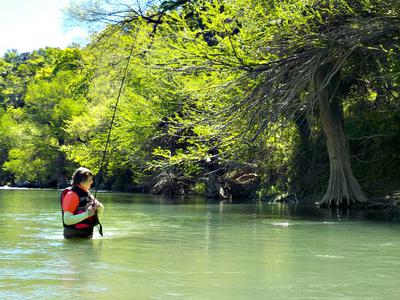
(82, 176)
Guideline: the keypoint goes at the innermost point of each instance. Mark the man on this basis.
(80, 210)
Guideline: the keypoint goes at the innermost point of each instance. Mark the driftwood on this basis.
(170, 184)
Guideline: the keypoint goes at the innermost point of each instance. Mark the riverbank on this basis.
(389, 201)
(386, 203)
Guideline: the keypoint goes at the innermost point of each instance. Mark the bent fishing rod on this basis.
(124, 75)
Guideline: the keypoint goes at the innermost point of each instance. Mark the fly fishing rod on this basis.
(103, 159)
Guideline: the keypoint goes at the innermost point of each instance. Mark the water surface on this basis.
(158, 249)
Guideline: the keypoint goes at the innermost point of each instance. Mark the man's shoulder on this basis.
(70, 194)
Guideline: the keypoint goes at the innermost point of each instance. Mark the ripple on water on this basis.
(286, 223)
(282, 224)
(330, 256)
(14, 252)
(55, 235)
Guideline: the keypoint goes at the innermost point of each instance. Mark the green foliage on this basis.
(49, 92)
(212, 85)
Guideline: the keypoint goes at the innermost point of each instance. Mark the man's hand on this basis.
(96, 204)
(91, 210)
(94, 207)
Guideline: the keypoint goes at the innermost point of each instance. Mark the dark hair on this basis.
(81, 175)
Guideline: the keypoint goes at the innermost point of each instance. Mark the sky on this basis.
(26, 25)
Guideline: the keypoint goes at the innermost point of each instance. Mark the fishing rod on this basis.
(124, 75)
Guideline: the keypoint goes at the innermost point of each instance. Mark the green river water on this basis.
(158, 249)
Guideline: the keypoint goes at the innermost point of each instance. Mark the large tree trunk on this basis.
(343, 188)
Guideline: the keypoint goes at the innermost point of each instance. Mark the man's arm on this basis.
(71, 219)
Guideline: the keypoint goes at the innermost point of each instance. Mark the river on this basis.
(159, 249)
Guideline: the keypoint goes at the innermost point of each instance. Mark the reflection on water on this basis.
(155, 248)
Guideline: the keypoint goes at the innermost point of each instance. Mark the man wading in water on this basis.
(80, 210)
